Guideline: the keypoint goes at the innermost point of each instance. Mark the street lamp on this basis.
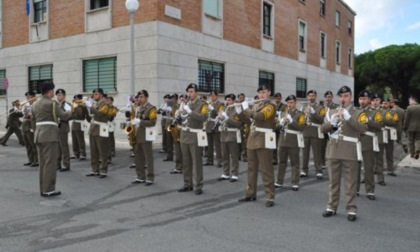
(132, 6)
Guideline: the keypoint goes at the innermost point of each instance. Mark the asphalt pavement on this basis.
(111, 214)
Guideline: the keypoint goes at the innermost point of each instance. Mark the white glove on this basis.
(346, 114)
(245, 105)
(312, 110)
(289, 117)
(187, 109)
(211, 107)
(224, 114)
(15, 109)
(334, 120)
(67, 107)
(88, 104)
(282, 122)
(136, 121)
(278, 113)
(238, 109)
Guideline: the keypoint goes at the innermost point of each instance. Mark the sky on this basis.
(380, 23)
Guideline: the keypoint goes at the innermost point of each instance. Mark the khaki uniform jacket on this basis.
(147, 113)
(354, 127)
(233, 122)
(218, 107)
(28, 122)
(401, 116)
(196, 119)
(100, 113)
(281, 107)
(43, 111)
(317, 118)
(374, 125)
(412, 118)
(79, 113)
(263, 115)
(13, 121)
(390, 118)
(298, 124)
(64, 126)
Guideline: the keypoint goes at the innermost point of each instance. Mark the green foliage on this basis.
(393, 71)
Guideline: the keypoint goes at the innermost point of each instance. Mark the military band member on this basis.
(401, 116)
(28, 129)
(162, 111)
(260, 158)
(390, 123)
(98, 134)
(195, 112)
(345, 125)
(79, 115)
(312, 134)
(170, 141)
(145, 121)
(212, 130)
(63, 133)
(292, 122)
(244, 132)
(369, 143)
(111, 139)
(176, 132)
(229, 133)
(13, 124)
(280, 107)
(46, 112)
(133, 103)
(412, 125)
(329, 104)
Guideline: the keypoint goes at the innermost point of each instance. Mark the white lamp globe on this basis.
(132, 5)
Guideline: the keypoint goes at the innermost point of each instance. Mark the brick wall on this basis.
(190, 12)
(147, 12)
(66, 18)
(15, 23)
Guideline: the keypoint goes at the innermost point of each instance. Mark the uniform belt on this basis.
(264, 130)
(374, 139)
(78, 121)
(100, 123)
(389, 128)
(292, 132)
(351, 140)
(371, 134)
(46, 123)
(316, 125)
(231, 129)
(192, 130)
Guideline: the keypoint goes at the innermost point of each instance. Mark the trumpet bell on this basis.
(129, 129)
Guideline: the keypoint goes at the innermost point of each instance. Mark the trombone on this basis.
(19, 107)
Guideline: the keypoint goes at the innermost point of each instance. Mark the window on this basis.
(268, 79)
(211, 7)
(3, 91)
(96, 4)
(350, 58)
(302, 35)
(211, 76)
(337, 52)
(322, 8)
(267, 8)
(337, 18)
(323, 43)
(100, 73)
(301, 87)
(39, 75)
(350, 27)
(40, 9)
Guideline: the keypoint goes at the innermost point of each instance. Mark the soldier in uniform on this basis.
(162, 111)
(390, 122)
(329, 104)
(292, 122)
(98, 134)
(13, 124)
(259, 156)
(412, 125)
(195, 113)
(370, 145)
(401, 116)
(79, 115)
(145, 121)
(46, 112)
(312, 134)
(175, 133)
(170, 141)
(63, 134)
(244, 132)
(280, 107)
(212, 130)
(28, 129)
(345, 125)
(229, 133)
(111, 123)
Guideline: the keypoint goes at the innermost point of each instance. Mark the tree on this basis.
(395, 68)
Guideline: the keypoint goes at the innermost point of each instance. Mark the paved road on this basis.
(113, 215)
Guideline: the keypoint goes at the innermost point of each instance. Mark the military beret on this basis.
(311, 92)
(182, 96)
(192, 85)
(375, 96)
(79, 96)
(46, 86)
(263, 87)
(386, 100)
(60, 91)
(328, 93)
(98, 90)
(344, 89)
(231, 96)
(167, 96)
(277, 95)
(291, 97)
(241, 94)
(30, 93)
(174, 96)
(143, 92)
(214, 93)
(364, 93)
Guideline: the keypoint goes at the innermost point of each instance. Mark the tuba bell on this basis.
(129, 129)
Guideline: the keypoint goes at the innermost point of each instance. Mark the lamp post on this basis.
(132, 6)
